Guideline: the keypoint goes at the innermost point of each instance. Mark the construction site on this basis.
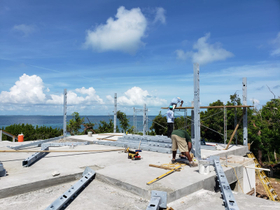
(127, 171)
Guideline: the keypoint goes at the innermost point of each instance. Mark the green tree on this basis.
(264, 131)
(159, 125)
(105, 127)
(123, 120)
(74, 125)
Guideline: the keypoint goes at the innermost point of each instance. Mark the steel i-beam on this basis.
(63, 201)
(35, 157)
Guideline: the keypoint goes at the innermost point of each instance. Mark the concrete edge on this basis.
(125, 186)
(25, 188)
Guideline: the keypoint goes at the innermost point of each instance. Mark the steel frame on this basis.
(68, 196)
(2, 170)
(64, 144)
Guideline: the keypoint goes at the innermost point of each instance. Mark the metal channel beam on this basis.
(115, 113)
(65, 114)
(196, 111)
(38, 143)
(64, 144)
(245, 129)
(35, 157)
(228, 198)
(63, 201)
(158, 200)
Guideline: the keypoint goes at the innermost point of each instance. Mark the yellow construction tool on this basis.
(264, 180)
(169, 172)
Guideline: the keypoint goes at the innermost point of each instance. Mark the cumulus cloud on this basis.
(276, 43)
(123, 33)
(30, 90)
(135, 96)
(160, 15)
(204, 52)
(25, 29)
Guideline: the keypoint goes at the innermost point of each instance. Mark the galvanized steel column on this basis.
(115, 114)
(65, 114)
(196, 111)
(144, 120)
(225, 125)
(245, 131)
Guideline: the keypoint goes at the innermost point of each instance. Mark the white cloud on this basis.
(276, 43)
(25, 29)
(160, 15)
(28, 90)
(205, 53)
(138, 97)
(121, 34)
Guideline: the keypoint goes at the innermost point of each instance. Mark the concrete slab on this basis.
(111, 167)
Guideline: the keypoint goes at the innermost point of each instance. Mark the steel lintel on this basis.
(35, 157)
(68, 196)
(64, 144)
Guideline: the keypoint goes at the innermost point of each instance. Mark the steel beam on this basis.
(227, 195)
(64, 144)
(35, 157)
(68, 196)
(38, 143)
(245, 131)
(115, 113)
(196, 111)
(144, 120)
(65, 114)
(158, 200)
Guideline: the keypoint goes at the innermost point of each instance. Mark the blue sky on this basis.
(142, 50)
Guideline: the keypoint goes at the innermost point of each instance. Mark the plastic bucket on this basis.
(20, 137)
(89, 134)
(204, 166)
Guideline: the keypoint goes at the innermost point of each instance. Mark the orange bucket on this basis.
(20, 137)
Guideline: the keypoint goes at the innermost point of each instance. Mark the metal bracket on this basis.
(228, 198)
(63, 201)
(158, 200)
(2, 170)
(35, 157)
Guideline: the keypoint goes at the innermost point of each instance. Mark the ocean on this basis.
(57, 121)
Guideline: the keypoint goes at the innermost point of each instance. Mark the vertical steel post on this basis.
(235, 123)
(144, 120)
(196, 111)
(0, 135)
(186, 118)
(134, 119)
(115, 113)
(225, 125)
(192, 124)
(245, 131)
(65, 114)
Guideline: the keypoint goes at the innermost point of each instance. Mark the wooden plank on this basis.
(163, 167)
(106, 139)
